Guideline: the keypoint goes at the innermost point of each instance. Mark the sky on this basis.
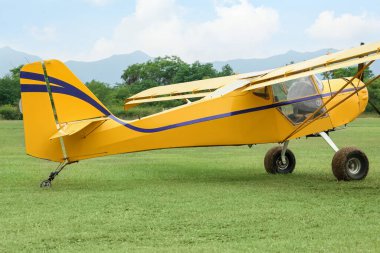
(205, 30)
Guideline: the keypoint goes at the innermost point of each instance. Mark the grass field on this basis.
(191, 200)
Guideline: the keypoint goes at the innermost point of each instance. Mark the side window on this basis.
(280, 92)
(303, 92)
(319, 83)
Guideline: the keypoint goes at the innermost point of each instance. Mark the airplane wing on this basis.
(317, 65)
(194, 89)
(178, 91)
(215, 87)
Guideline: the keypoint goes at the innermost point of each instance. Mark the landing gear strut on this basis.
(47, 183)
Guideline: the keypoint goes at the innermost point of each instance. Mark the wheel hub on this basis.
(353, 165)
(281, 165)
(45, 184)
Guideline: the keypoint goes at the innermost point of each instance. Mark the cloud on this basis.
(98, 2)
(158, 27)
(344, 30)
(45, 34)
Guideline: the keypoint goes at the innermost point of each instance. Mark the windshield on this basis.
(294, 89)
(298, 89)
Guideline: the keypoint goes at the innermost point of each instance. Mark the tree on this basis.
(9, 91)
(169, 70)
(161, 71)
(101, 90)
(15, 72)
(226, 71)
(374, 95)
(10, 87)
(347, 72)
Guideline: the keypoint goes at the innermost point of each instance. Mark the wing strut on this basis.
(307, 121)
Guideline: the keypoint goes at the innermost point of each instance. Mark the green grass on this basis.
(191, 200)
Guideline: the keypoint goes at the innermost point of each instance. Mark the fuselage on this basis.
(237, 118)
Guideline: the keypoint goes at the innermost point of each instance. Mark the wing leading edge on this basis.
(342, 59)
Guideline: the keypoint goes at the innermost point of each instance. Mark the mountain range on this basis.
(110, 69)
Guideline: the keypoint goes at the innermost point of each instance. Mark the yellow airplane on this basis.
(64, 122)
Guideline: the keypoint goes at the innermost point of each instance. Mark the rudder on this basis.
(53, 96)
(72, 99)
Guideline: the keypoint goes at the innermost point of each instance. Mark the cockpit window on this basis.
(294, 89)
(318, 82)
(303, 92)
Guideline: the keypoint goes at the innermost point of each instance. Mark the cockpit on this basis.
(299, 97)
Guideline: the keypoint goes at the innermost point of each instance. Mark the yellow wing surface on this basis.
(194, 89)
(342, 59)
(204, 88)
(186, 90)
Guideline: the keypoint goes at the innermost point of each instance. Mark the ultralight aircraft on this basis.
(64, 121)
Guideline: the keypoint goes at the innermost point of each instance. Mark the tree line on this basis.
(141, 76)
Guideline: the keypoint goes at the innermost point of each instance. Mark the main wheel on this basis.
(273, 163)
(350, 163)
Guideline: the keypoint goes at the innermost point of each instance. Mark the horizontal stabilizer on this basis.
(71, 128)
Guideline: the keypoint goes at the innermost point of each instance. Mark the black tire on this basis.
(350, 163)
(45, 184)
(273, 163)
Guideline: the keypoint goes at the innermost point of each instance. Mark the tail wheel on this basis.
(273, 163)
(350, 163)
(45, 184)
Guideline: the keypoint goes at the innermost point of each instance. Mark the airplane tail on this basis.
(52, 98)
